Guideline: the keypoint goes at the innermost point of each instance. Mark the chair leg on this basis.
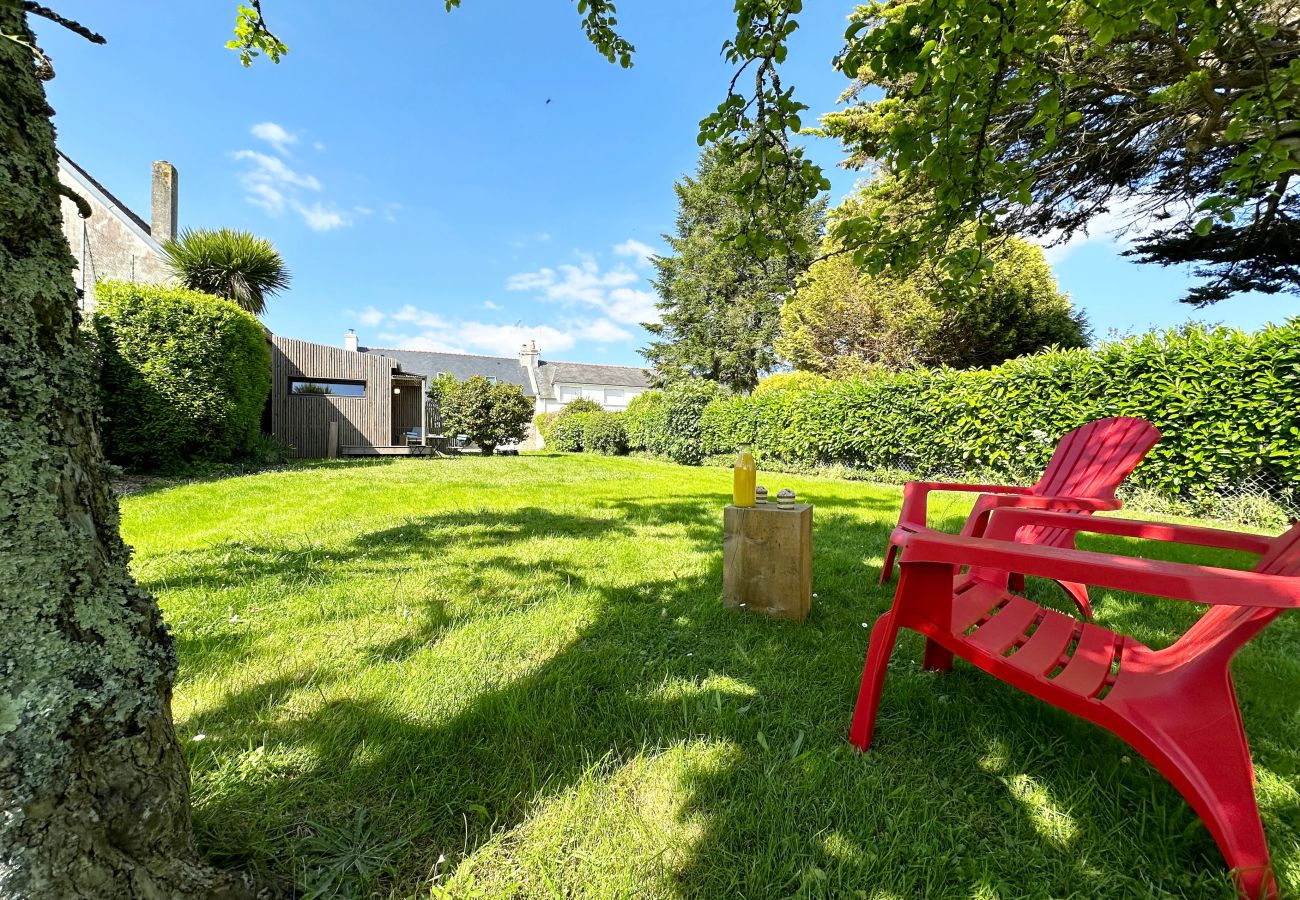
(937, 657)
(883, 635)
(1211, 768)
(887, 571)
(1016, 583)
(1079, 594)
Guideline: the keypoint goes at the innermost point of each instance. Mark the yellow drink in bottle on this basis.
(743, 477)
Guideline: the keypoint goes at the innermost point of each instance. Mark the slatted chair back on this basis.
(1091, 461)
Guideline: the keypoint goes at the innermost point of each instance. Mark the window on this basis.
(320, 387)
(444, 374)
(614, 398)
(595, 395)
(492, 379)
(569, 393)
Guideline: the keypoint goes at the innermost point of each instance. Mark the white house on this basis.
(550, 384)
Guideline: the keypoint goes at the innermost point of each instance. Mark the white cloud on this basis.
(604, 331)
(611, 291)
(273, 186)
(321, 218)
(272, 169)
(488, 304)
(275, 135)
(635, 249)
(264, 195)
(370, 316)
(1119, 227)
(412, 328)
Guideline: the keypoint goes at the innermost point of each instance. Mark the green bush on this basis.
(184, 376)
(791, 381)
(567, 433)
(490, 414)
(570, 435)
(543, 423)
(603, 432)
(581, 405)
(645, 417)
(1226, 401)
(680, 438)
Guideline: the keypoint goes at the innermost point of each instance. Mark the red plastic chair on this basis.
(1175, 706)
(1089, 463)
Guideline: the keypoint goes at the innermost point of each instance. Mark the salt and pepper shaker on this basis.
(785, 499)
(760, 495)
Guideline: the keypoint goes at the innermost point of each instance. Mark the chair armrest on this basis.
(1177, 581)
(1036, 501)
(916, 494)
(1006, 522)
(977, 522)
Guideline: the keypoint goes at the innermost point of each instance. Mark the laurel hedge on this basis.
(1226, 401)
(566, 432)
(184, 376)
(668, 423)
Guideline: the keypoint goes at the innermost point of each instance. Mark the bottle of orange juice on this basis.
(743, 477)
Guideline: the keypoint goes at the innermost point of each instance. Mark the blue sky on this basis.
(423, 190)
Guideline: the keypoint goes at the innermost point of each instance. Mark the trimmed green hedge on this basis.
(566, 432)
(1226, 401)
(603, 433)
(184, 375)
(667, 422)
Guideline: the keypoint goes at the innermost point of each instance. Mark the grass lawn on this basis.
(513, 678)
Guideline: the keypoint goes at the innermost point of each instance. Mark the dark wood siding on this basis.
(302, 420)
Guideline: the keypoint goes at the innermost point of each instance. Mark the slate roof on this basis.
(87, 183)
(112, 200)
(459, 365)
(551, 373)
(507, 369)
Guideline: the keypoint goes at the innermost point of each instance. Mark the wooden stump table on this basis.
(767, 559)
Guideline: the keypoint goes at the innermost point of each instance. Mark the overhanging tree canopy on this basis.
(1036, 117)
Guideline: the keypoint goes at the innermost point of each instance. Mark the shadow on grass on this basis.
(971, 785)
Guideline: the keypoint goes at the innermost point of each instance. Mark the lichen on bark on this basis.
(94, 793)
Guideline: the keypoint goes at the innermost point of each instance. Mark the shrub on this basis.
(567, 432)
(581, 405)
(791, 381)
(603, 432)
(490, 414)
(645, 417)
(233, 265)
(184, 375)
(679, 438)
(543, 423)
(569, 437)
(1227, 403)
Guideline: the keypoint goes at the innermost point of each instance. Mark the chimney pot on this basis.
(528, 355)
(350, 340)
(164, 205)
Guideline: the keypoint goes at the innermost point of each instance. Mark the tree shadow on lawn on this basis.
(972, 786)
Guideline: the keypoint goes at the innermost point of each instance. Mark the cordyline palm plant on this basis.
(236, 265)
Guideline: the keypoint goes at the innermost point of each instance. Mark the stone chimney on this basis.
(350, 341)
(163, 220)
(528, 355)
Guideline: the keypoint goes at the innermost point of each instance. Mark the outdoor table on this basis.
(767, 559)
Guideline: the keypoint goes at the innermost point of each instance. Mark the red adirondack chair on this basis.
(1175, 706)
(1087, 466)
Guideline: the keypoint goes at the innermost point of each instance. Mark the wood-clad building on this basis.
(328, 401)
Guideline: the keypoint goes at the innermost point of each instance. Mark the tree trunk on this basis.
(94, 791)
